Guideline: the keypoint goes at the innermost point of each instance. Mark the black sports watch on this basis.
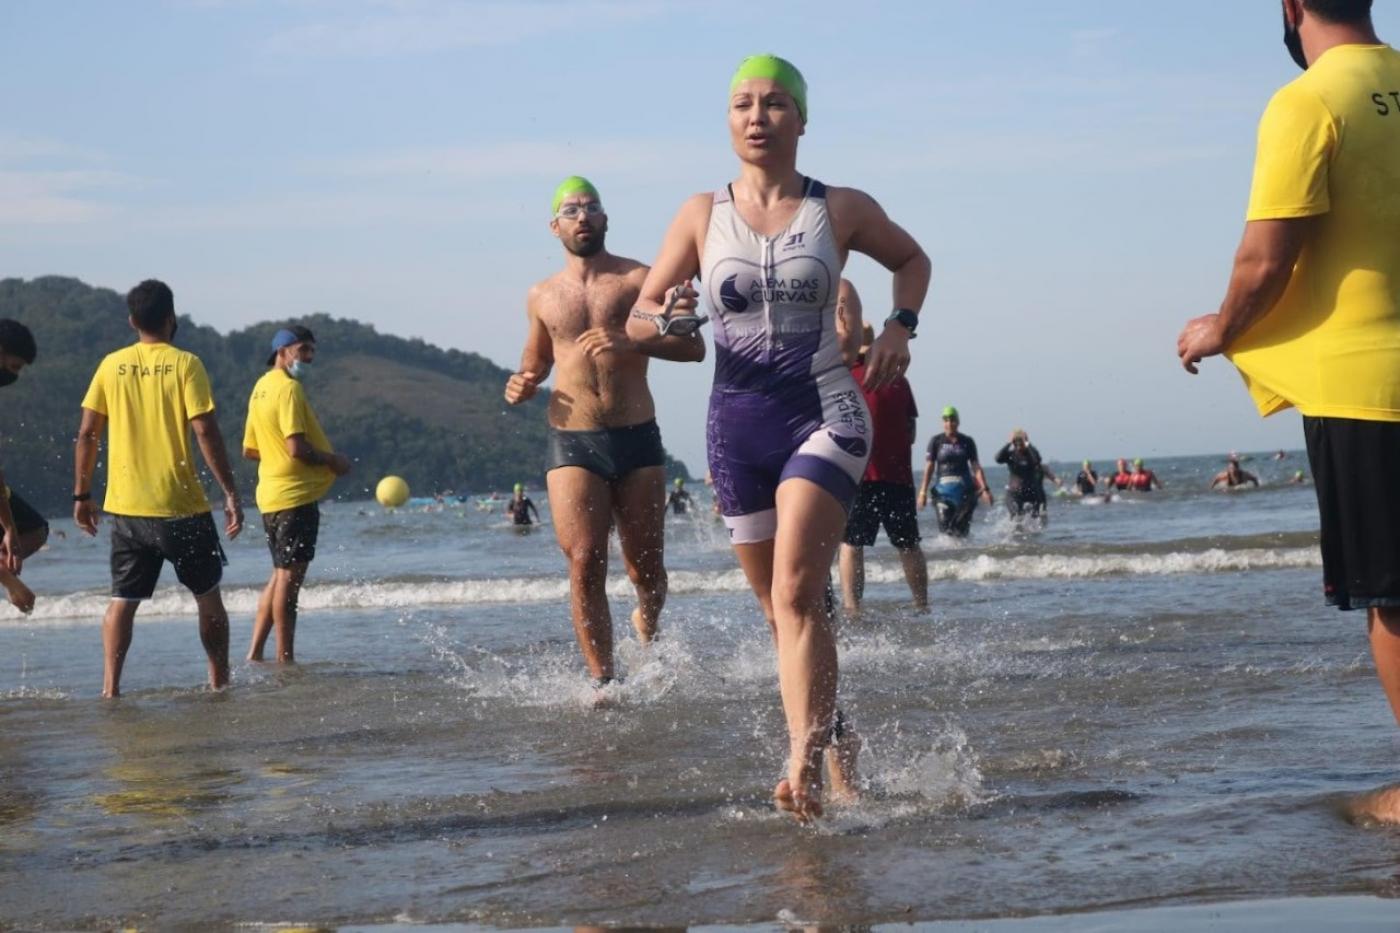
(82, 496)
(906, 318)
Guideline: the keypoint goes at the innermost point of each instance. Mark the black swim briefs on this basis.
(141, 546)
(611, 453)
(889, 504)
(1355, 464)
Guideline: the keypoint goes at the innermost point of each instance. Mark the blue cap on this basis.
(286, 337)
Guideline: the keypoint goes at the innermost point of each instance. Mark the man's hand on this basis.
(85, 515)
(987, 495)
(923, 498)
(9, 550)
(599, 340)
(233, 517)
(1201, 337)
(339, 464)
(888, 357)
(521, 387)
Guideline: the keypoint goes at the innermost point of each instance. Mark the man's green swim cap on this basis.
(574, 184)
(1137, 462)
(776, 69)
(950, 412)
(519, 487)
(679, 481)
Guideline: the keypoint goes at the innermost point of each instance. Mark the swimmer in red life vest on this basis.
(1121, 478)
(1144, 480)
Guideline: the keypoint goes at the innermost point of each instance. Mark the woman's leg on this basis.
(810, 523)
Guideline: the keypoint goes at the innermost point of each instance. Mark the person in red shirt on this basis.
(1122, 477)
(1144, 480)
(886, 494)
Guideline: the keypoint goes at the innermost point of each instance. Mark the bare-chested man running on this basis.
(605, 453)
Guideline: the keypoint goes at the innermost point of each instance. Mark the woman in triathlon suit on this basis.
(788, 432)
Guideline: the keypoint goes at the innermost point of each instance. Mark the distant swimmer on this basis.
(1144, 480)
(1233, 476)
(296, 467)
(605, 460)
(788, 434)
(147, 397)
(1121, 478)
(1086, 481)
(1298, 478)
(1026, 490)
(1281, 455)
(886, 495)
(519, 507)
(25, 530)
(679, 500)
(958, 481)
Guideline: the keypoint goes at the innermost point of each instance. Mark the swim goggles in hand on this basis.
(682, 325)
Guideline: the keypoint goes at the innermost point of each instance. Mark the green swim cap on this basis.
(777, 69)
(1137, 462)
(574, 184)
(1086, 464)
(950, 412)
(679, 481)
(519, 487)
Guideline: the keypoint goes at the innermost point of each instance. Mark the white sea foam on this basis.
(173, 601)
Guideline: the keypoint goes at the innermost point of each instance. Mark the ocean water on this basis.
(1144, 704)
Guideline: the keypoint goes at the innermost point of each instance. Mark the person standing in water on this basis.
(519, 507)
(147, 398)
(1233, 475)
(1312, 316)
(1086, 481)
(788, 434)
(24, 529)
(1121, 479)
(679, 500)
(605, 459)
(1026, 489)
(886, 494)
(296, 467)
(958, 481)
(1143, 479)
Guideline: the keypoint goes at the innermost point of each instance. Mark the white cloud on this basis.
(45, 182)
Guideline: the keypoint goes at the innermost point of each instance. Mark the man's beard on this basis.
(590, 248)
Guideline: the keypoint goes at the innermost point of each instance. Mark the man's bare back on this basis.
(566, 312)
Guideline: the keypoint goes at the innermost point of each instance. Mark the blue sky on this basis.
(1077, 171)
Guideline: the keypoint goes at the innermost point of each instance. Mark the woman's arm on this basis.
(676, 265)
(862, 225)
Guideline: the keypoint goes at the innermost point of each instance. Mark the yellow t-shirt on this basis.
(149, 392)
(1329, 145)
(277, 410)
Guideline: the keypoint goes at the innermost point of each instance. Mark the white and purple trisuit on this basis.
(784, 404)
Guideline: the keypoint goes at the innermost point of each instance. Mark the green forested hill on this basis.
(433, 416)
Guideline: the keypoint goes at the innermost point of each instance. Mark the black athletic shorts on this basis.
(291, 534)
(26, 518)
(1356, 472)
(888, 504)
(611, 453)
(141, 546)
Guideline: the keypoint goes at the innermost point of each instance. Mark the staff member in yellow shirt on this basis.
(296, 467)
(1312, 315)
(148, 396)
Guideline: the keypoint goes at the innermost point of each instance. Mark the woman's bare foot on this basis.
(1378, 806)
(800, 793)
(21, 596)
